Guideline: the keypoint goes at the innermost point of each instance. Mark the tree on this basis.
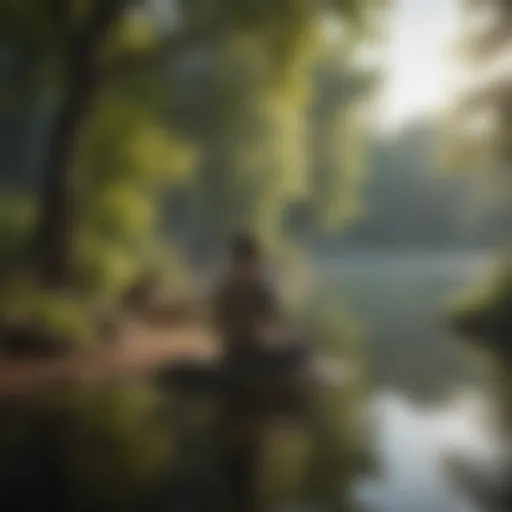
(484, 134)
(445, 210)
(255, 129)
(482, 121)
(72, 38)
(78, 43)
(337, 142)
(482, 316)
(100, 62)
(126, 159)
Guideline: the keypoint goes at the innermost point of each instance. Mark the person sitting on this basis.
(256, 343)
(243, 304)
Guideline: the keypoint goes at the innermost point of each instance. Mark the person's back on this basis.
(243, 304)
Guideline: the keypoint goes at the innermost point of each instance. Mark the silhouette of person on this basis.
(244, 304)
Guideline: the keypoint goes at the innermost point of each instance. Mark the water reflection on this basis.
(122, 430)
(412, 439)
(399, 299)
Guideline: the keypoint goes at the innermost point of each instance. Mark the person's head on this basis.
(245, 256)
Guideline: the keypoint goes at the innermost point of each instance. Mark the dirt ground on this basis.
(140, 350)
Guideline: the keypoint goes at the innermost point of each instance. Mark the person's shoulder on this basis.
(266, 289)
(222, 287)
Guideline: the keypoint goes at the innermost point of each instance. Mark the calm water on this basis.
(400, 302)
(399, 299)
(411, 442)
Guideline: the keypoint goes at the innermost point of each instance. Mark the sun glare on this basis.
(416, 59)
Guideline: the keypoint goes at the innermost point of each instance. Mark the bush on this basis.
(37, 321)
(16, 220)
(86, 449)
(485, 313)
(119, 447)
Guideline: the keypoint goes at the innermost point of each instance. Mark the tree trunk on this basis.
(54, 238)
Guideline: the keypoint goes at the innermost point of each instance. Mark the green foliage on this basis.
(106, 267)
(484, 316)
(338, 142)
(485, 313)
(132, 34)
(112, 445)
(169, 268)
(443, 210)
(125, 161)
(60, 319)
(252, 156)
(17, 215)
(481, 123)
(117, 448)
(251, 165)
(255, 124)
(63, 320)
(253, 161)
(32, 22)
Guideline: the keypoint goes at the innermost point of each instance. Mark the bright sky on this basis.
(416, 59)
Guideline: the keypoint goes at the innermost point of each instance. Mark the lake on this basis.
(412, 440)
(400, 300)
(413, 362)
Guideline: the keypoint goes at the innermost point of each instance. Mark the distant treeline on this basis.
(409, 202)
